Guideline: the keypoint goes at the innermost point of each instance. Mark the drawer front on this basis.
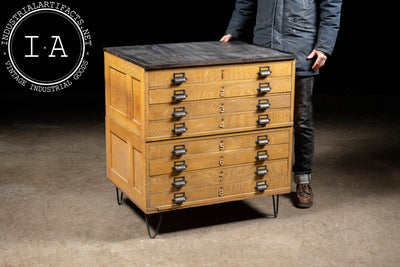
(220, 90)
(187, 76)
(217, 107)
(259, 140)
(216, 176)
(219, 124)
(220, 193)
(214, 160)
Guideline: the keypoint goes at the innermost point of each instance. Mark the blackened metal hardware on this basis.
(263, 119)
(179, 150)
(264, 71)
(179, 166)
(263, 104)
(262, 140)
(119, 198)
(179, 78)
(276, 209)
(158, 225)
(262, 155)
(179, 128)
(179, 95)
(261, 186)
(263, 88)
(179, 181)
(119, 201)
(261, 170)
(179, 198)
(179, 112)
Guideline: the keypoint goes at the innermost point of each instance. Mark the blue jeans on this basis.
(303, 129)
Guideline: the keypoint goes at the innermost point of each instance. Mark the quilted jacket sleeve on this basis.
(329, 21)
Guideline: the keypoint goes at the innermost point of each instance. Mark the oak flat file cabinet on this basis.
(192, 124)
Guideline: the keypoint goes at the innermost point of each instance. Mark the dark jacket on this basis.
(294, 26)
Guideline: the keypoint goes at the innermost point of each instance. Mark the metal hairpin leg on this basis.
(119, 198)
(158, 225)
(276, 208)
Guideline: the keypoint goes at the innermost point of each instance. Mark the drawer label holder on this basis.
(179, 95)
(179, 128)
(179, 78)
(262, 140)
(179, 112)
(261, 186)
(263, 88)
(179, 150)
(263, 104)
(261, 170)
(263, 119)
(264, 71)
(179, 198)
(179, 181)
(262, 155)
(179, 166)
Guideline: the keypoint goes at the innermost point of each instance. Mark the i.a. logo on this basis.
(46, 45)
(57, 40)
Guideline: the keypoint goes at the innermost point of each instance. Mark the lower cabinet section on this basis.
(173, 174)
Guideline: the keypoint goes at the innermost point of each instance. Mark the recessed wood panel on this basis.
(120, 91)
(120, 157)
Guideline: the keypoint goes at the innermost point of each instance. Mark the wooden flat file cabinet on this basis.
(194, 124)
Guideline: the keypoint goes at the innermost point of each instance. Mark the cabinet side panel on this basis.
(126, 162)
(125, 94)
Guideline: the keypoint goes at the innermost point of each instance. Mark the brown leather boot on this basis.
(305, 198)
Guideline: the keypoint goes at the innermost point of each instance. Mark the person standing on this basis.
(307, 29)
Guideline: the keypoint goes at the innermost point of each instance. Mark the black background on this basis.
(362, 63)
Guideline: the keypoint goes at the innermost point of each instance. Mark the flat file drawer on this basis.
(258, 140)
(188, 110)
(178, 77)
(220, 90)
(216, 176)
(213, 160)
(219, 124)
(218, 193)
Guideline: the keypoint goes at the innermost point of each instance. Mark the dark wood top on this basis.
(177, 55)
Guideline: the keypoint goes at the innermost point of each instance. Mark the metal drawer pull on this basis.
(263, 119)
(261, 186)
(179, 78)
(179, 128)
(263, 104)
(179, 166)
(263, 88)
(262, 140)
(264, 71)
(179, 112)
(261, 170)
(179, 150)
(262, 155)
(179, 198)
(179, 181)
(179, 95)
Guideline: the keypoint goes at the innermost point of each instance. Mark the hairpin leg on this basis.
(119, 198)
(276, 208)
(158, 225)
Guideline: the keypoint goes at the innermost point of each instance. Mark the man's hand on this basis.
(226, 38)
(319, 61)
